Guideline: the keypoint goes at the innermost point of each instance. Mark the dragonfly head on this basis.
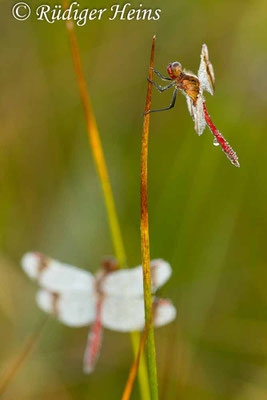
(174, 69)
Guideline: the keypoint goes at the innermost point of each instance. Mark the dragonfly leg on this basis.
(160, 88)
(166, 108)
(164, 78)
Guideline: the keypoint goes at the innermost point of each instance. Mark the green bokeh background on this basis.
(207, 218)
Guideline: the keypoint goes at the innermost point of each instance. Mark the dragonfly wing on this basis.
(206, 73)
(56, 276)
(197, 113)
(74, 309)
(124, 314)
(127, 314)
(190, 106)
(160, 273)
(165, 312)
(200, 121)
(129, 282)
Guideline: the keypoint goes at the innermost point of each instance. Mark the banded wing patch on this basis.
(73, 308)
(56, 276)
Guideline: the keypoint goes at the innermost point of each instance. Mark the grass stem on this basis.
(151, 352)
(98, 154)
(133, 371)
(97, 150)
(25, 352)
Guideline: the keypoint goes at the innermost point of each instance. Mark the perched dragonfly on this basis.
(111, 298)
(193, 87)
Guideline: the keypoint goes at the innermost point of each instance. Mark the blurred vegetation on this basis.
(207, 217)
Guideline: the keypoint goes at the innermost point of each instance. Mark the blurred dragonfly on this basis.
(111, 298)
(193, 87)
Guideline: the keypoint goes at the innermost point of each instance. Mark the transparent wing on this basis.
(129, 282)
(197, 113)
(190, 106)
(56, 276)
(200, 121)
(206, 73)
(72, 308)
(127, 314)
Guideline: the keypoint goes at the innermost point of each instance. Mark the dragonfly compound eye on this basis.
(174, 69)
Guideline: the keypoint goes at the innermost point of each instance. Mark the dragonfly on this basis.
(193, 87)
(112, 298)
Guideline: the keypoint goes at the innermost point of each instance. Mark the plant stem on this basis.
(25, 352)
(142, 370)
(132, 375)
(151, 352)
(98, 154)
(97, 150)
